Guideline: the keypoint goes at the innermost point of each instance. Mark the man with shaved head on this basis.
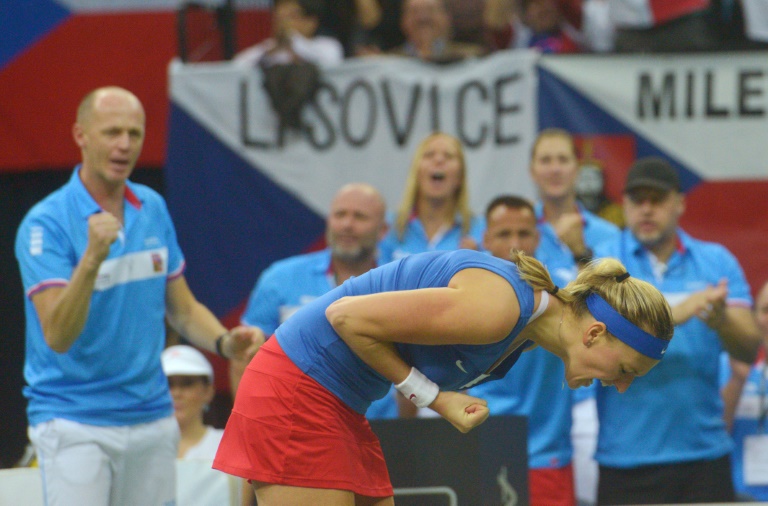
(102, 271)
(355, 224)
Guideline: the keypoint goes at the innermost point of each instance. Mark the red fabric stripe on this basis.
(666, 10)
(132, 198)
(36, 126)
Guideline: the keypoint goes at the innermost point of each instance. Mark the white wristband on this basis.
(418, 389)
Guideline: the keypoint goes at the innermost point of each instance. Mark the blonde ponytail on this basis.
(636, 300)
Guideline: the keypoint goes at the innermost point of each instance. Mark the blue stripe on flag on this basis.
(232, 220)
(24, 23)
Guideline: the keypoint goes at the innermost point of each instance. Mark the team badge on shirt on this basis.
(157, 262)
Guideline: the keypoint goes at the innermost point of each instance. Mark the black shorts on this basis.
(699, 481)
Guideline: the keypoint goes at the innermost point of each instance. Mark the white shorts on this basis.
(91, 465)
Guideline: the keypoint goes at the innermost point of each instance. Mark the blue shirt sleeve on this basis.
(263, 308)
(738, 288)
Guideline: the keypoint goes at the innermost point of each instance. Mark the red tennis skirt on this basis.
(287, 429)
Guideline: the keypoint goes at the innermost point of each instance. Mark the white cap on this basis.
(183, 360)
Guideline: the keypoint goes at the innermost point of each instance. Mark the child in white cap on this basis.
(190, 378)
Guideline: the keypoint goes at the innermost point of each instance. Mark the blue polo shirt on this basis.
(415, 239)
(313, 345)
(535, 387)
(111, 375)
(675, 412)
(287, 285)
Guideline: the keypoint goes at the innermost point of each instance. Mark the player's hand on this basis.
(243, 342)
(463, 411)
(103, 229)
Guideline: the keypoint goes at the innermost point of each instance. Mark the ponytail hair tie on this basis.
(554, 290)
(622, 277)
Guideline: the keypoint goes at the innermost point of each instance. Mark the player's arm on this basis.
(63, 311)
(477, 307)
(195, 322)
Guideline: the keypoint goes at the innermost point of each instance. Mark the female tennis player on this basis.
(433, 324)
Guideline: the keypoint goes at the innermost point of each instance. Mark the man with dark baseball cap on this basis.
(652, 172)
(711, 301)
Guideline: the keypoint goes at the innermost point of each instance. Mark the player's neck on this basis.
(547, 328)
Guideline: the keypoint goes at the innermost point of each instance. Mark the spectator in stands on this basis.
(711, 303)
(426, 26)
(551, 26)
(386, 35)
(746, 400)
(597, 29)
(466, 18)
(534, 386)
(646, 26)
(102, 270)
(348, 20)
(571, 231)
(294, 25)
(190, 379)
(354, 226)
(468, 22)
(434, 213)
(290, 61)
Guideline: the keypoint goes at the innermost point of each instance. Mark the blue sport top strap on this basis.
(624, 330)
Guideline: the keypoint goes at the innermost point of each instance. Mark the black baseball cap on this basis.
(652, 172)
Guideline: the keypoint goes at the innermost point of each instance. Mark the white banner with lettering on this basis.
(368, 118)
(708, 111)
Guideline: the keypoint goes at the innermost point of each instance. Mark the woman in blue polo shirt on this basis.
(434, 213)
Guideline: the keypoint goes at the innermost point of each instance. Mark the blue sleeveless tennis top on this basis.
(312, 344)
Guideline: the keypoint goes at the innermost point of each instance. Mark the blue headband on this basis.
(624, 330)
